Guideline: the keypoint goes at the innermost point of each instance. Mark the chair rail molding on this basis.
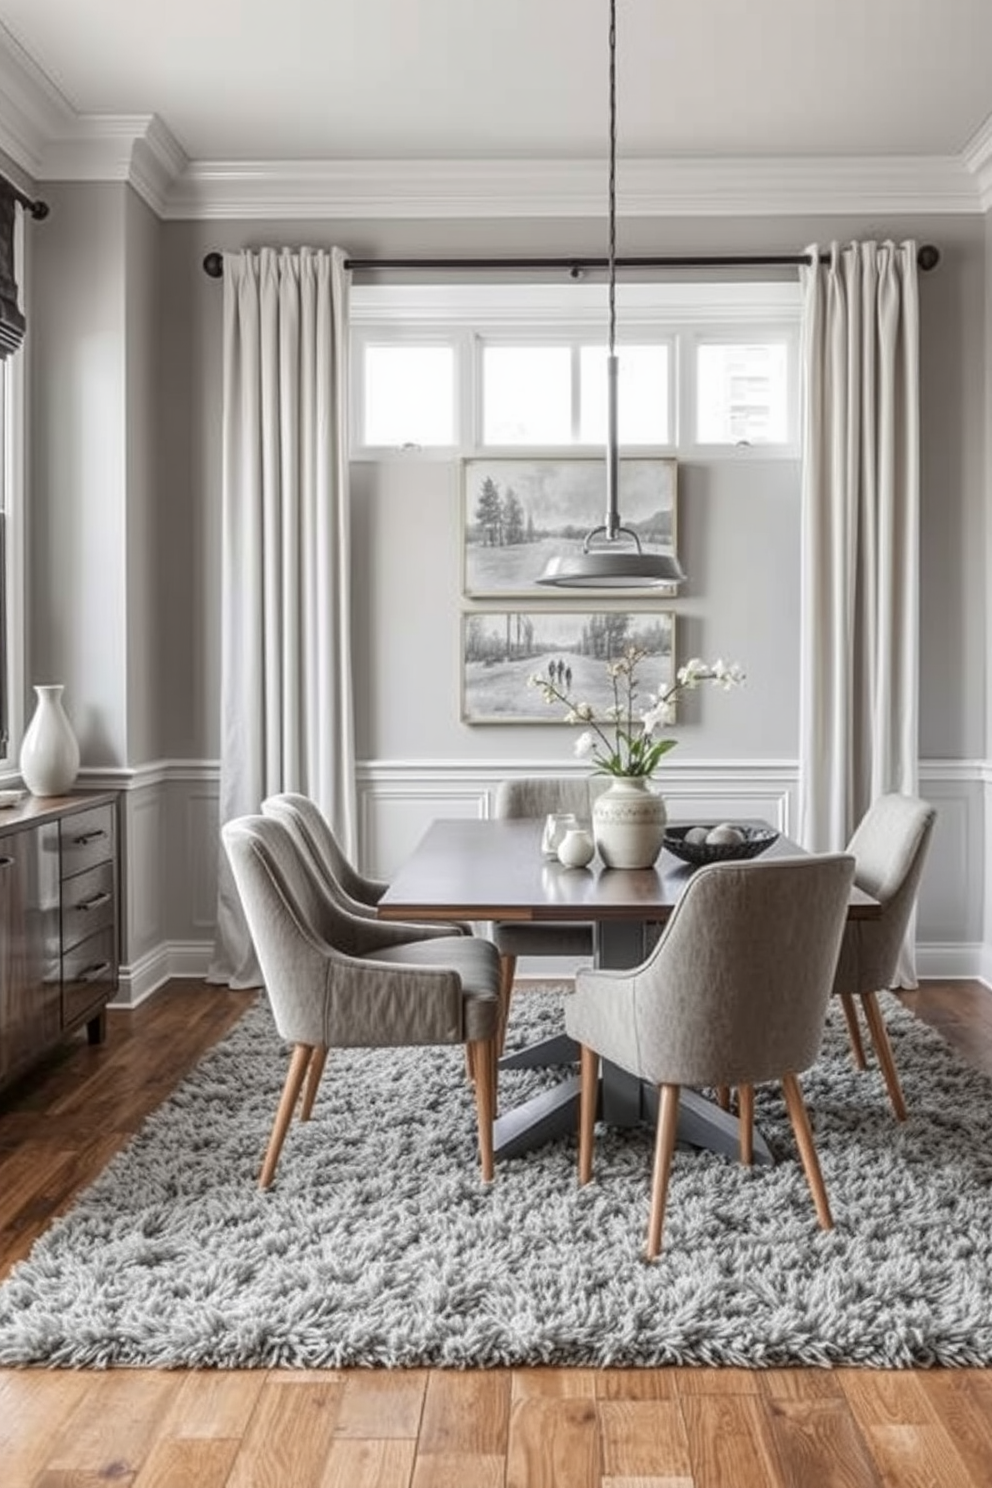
(169, 843)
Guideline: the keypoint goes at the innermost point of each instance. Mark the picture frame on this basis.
(501, 649)
(554, 502)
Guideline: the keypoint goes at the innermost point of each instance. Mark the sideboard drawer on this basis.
(87, 837)
(89, 974)
(87, 903)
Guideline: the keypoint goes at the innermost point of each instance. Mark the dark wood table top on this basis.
(494, 870)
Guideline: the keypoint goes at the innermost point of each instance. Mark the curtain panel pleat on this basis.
(286, 684)
(859, 690)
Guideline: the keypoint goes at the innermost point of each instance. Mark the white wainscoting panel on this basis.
(170, 844)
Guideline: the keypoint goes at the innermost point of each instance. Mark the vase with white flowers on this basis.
(623, 742)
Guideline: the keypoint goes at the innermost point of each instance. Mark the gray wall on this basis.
(739, 521)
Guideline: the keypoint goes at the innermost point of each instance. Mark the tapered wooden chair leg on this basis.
(799, 1117)
(484, 1063)
(507, 972)
(745, 1115)
(879, 1037)
(723, 1097)
(588, 1099)
(853, 1030)
(287, 1105)
(668, 1118)
(314, 1072)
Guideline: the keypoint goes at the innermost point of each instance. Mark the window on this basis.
(460, 369)
(408, 395)
(742, 392)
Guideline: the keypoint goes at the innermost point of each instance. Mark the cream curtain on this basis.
(286, 687)
(860, 561)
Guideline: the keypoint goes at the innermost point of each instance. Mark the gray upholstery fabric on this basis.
(314, 829)
(335, 979)
(890, 847)
(320, 849)
(736, 989)
(534, 796)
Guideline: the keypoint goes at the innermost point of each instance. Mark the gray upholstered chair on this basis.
(335, 979)
(734, 992)
(535, 796)
(313, 830)
(889, 847)
(319, 846)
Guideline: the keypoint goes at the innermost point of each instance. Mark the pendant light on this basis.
(611, 556)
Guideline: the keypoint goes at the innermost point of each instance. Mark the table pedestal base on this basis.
(623, 1101)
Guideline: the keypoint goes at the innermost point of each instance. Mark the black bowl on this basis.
(756, 839)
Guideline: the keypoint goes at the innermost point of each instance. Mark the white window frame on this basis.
(469, 316)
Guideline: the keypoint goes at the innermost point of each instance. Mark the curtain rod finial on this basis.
(928, 257)
(213, 264)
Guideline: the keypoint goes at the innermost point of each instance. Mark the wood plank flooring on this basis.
(521, 1428)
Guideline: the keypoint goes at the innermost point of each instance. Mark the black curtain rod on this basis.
(927, 258)
(39, 209)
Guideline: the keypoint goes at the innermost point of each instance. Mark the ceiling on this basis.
(307, 80)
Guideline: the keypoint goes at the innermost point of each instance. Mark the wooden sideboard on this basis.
(59, 922)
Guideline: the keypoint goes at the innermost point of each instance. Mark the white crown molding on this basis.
(977, 156)
(137, 148)
(32, 110)
(745, 187)
(43, 135)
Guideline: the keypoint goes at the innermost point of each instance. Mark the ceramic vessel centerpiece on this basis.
(49, 759)
(621, 741)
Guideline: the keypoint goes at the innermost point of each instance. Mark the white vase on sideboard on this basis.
(49, 758)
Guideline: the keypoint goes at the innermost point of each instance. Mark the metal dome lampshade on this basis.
(611, 556)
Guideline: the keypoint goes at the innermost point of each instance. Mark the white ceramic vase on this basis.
(49, 754)
(628, 821)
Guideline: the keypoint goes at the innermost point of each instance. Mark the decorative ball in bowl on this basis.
(717, 842)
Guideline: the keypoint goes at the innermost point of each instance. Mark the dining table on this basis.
(485, 870)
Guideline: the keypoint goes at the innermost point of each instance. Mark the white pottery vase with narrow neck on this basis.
(628, 822)
(49, 754)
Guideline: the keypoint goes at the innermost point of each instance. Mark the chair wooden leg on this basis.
(314, 1073)
(484, 1062)
(880, 1039)
(723, 1097)
(588, 1092)
(507, 972)
(668, 1119)
(745, 1115)
(853, 1030)
(469, 1064)
(287, 1105)
(799, 1117)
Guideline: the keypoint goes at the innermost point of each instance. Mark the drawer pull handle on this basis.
(94, 973)
(102, 898)
(85, 838)
(5, 862)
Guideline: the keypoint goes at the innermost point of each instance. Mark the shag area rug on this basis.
(379, 1245)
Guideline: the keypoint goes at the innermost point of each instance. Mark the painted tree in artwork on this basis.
(513, 519)
(489, 513)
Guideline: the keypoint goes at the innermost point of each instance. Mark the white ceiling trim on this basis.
(747, 187)
(977, 156)
(51, 142)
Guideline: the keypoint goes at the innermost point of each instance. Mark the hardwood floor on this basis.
(522, 1428)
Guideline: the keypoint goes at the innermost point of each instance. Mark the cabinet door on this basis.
(30, 964)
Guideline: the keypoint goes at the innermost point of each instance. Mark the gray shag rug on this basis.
(379, 1245)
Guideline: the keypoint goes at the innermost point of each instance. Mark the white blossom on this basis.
(585, 744)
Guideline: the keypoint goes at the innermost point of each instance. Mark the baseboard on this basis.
(955, 963)
(167, 961)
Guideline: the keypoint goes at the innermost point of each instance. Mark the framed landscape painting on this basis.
(502, 648)
(518, 513)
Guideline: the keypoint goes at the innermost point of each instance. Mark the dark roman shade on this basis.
(12, 322)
